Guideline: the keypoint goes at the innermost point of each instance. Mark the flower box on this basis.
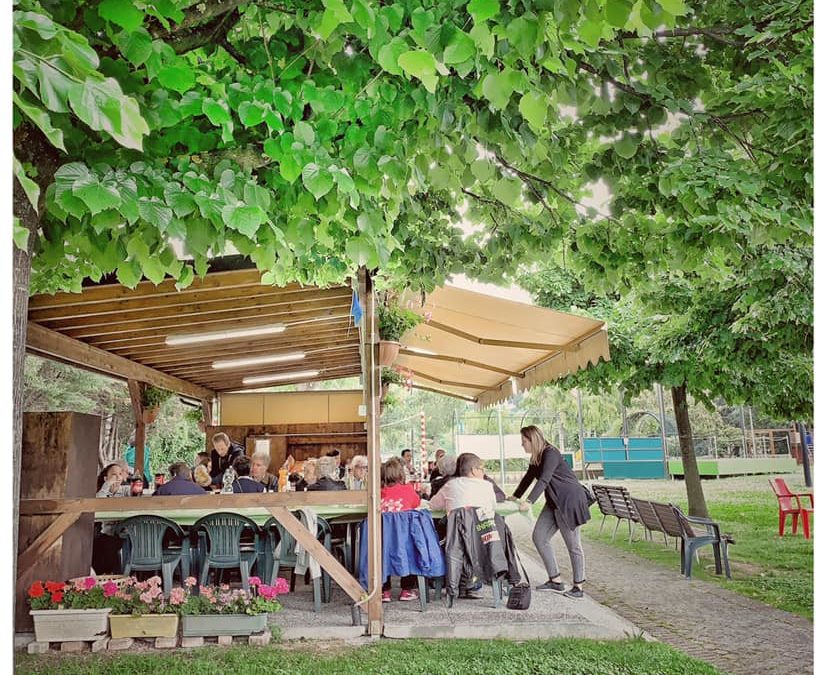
(70, 625)
(143, 625)
(388, 352)
(210, 625)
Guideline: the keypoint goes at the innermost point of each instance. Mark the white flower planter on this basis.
(69, 625)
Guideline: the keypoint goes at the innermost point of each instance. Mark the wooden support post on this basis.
(136, 394)
(46, 539)
(206, 406)
(369, 339)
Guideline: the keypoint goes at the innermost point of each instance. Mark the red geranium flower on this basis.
(57, 596)
(36, 590)
(53, 586)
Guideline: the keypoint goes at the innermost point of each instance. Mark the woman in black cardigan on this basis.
(565, 510)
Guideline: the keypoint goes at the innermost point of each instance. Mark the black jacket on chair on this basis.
(472, 549)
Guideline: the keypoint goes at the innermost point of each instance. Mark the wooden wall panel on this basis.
(59, 460)
(301, 407)
(344, 406)
(295, 407)
(242, 409)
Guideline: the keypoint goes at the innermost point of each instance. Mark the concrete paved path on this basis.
(732, 632)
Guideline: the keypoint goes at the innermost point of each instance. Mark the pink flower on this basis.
(282, 585)
(154, 581)
(428, 316)
(146, 598)
(110, 588)
(177, 596)
(89, 583)
(190, 582)
(255, 581)
(224, 587)
(267, 592)
(79, 585)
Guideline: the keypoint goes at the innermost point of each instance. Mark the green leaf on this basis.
(388, 56)
(37, 22)
(674, 7)
(244, 218)
(178, 77)
(421, 65)
(106, 220)
(522, 34)
(129, 273)
(343, 180)
(482, 10)
(54, 86)
(626, 147)
(497, 88)
(250, 113)
(289, 168)
(179, 201)
(31, 188)
(42, 120)
(483, 38)
(136, 46)
(185, 279)
(255, 195)
(362, 252)
(102, 105)
(153, 211)
(591, 32)
(507, 190)
(123, 14)
(534, 108)
(460, 48)
(317, 180)
(618, 11)
(334, 15)
(304, 133)
(20, 235)
(95, 195)
(216, 111)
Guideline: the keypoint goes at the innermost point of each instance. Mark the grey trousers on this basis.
(547, 525)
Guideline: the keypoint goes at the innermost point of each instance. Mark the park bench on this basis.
(676, 524)
(616, 501)
(789, 504)
(649, 518)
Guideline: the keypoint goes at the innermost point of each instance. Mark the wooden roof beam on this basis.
(47, 342)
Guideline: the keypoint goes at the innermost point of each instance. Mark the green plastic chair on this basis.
(220, 547)
(276, 533)
(144, 549)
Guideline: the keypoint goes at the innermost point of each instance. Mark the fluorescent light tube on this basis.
(256, 360)
(295, 375)
(228, 334)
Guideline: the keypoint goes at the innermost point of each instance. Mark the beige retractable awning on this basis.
(483, 349)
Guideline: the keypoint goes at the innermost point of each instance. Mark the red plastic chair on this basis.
(790, 505)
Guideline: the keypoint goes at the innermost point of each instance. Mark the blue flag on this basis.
(355, 308)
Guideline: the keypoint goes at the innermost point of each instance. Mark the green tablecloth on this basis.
(260, 515)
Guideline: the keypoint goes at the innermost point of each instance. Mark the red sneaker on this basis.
(385, 596)
(407, 596)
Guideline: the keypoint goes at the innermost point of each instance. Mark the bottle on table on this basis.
(229, 479)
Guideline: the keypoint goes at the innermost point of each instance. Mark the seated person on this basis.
(446, 468)
(335, 453)
(434, 465)
(396, 496)
(468, 488)
(244, 482)
(260, 462)
(181, 483)
(310, 475)
(357, 478)
(327, 475)
(110, 482)
(201, 474)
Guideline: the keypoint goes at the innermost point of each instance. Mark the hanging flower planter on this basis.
(394, 322)
(150, 414)
(388, 352)
(70, 625)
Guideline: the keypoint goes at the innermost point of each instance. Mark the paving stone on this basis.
(73, 646)
(166, 642)
(37, 647)
(100, 645)
(119, 644)
(192, 642)
(225, 640)
(261, 639)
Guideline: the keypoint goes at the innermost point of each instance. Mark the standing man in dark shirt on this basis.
(225, 452)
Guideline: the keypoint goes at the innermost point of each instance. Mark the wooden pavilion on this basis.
(170, 338)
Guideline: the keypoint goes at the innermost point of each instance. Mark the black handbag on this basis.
(589, 494)
(519, 596)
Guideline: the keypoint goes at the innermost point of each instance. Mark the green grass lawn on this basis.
(445, 657)
(776, 570)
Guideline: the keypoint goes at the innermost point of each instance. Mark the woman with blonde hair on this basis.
(565, 510)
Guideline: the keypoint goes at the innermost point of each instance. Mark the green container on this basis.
(211, 625)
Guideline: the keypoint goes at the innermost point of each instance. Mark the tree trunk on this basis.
(108, 450)
(693, 486)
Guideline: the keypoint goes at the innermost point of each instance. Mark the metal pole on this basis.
(743, 427)
(661, 402)
(807, 470)
(624, 415)
(561, 420)
(581, 431)
(501, 447)
(751, 427)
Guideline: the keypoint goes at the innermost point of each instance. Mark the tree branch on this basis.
(712, 32)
